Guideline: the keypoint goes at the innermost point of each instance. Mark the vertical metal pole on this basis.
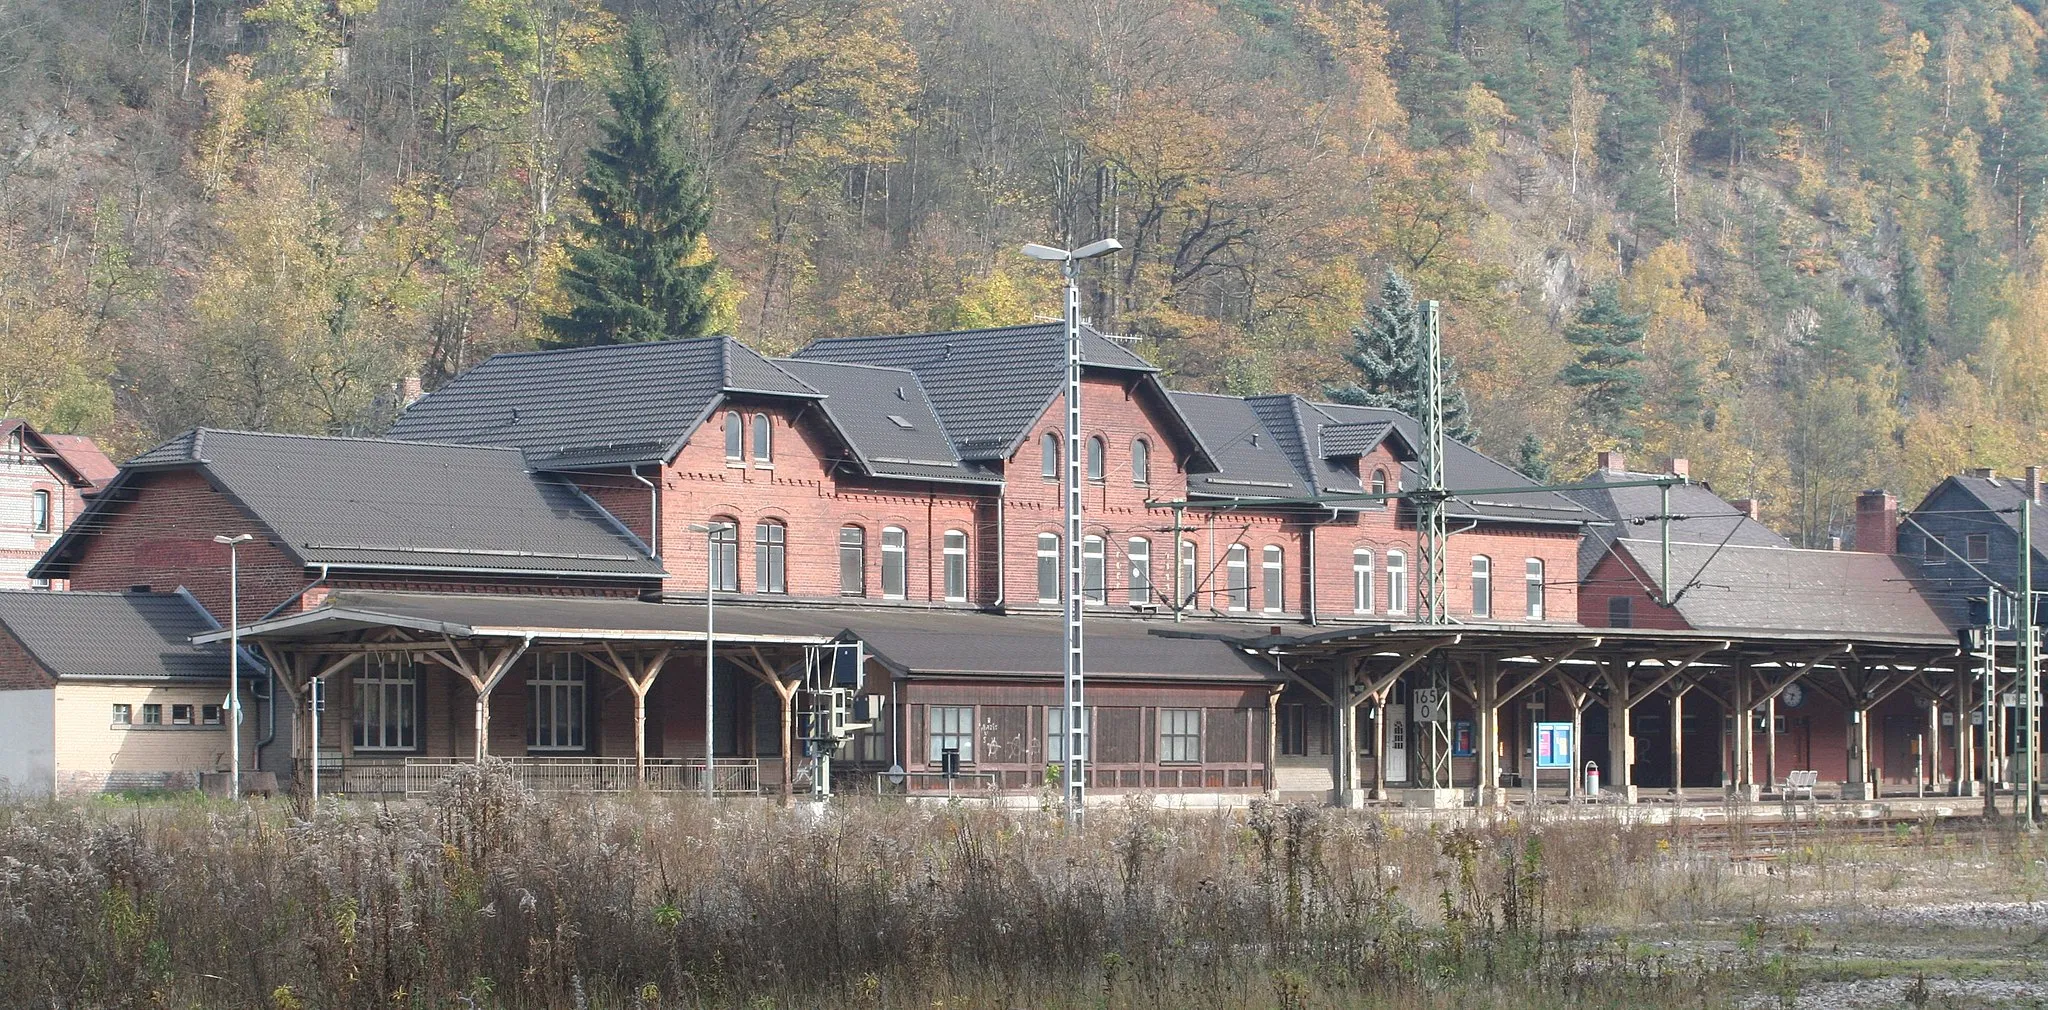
(1990, 724)
(313, 702)
(1180, 590)
(1073, 700)
(2030, 682)
(234, 673)
(1429, 503)
(1664, 576)
(710, 656)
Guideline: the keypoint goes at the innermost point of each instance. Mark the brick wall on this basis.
(1614, 578)
(21, 476)
(161, 535)
(19, 671)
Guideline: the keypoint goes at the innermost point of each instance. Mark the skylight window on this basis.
(900, 421)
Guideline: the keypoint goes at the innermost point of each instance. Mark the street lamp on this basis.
(710, 531)
(1072, 599)
(235, 662)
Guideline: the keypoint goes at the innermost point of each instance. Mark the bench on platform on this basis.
(1797, 782)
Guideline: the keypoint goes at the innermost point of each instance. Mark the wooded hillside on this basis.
(268, 215)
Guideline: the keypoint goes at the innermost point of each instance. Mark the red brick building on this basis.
(44, 480)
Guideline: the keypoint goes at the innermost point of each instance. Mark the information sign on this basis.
(1553, 745)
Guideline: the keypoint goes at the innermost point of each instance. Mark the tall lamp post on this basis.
(235, 661)
(1076, 739)
(711, 562)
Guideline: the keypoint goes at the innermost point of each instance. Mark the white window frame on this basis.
(853, 560)
(1049, 455)
(1094, 572)
(764, 441)
(386, 681)
(1141, 463)
(1378, 486)
(1190, 572)
(1180, 736)
(954, 550)
(1048, 568)
(1482, 586)
(1397, 582)
(123, 714)
(1361, 580)
(1273, 579)
(895, 559)
(1971, 541)
(559, 689)
(952, 725)
(771, 557)
(1098, 458)
(1237, 578)
(41, 515)
(184, 713)
(1056, 735)
(1534, 602)
(735, 437)
(723, 555)
(1140, 553)
(152, 714)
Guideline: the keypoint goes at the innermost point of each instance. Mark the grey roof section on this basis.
(378, 503)
(988, 386)
(2002, 497)
(926, 644)
(1709, 518)
(887, 421)
(595, 406)
(1351, 439)
(1249, 463)
(1766, 589)
(139, 636)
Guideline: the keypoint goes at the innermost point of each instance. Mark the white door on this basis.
(1397, 740)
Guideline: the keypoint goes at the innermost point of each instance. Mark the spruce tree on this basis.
(1530, 462)
(633, 272)
(1387, 350)
(1607, 375)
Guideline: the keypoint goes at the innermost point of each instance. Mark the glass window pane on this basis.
(852, 562)
(1048, 568)
(1141, 571)
(734, 435)
(764, 436)
(1141, 463)
(1092, 588)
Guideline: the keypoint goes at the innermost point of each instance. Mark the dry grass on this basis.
(487, 897)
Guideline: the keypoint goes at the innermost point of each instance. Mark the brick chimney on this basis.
(1612, 461)
(1749, 507)
(1680, 467)
(1877, 523)
(1982, 473)
(408, 390)
(2034, 483)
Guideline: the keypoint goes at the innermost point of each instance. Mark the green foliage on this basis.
(1608, 373)
(1390, 355)
(640, 268)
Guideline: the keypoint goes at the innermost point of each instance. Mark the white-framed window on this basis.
(558, 698)
(1977, 547)
(39, 511)
(1049, 455)
(771, 557)
(1932, 552)
(152, 714)
(1141, 462)
(209, 715)
(1361, 580)
(1092, 589)
(123, 714)
(1048, 568)
(1237, 574)
(1180, 735)
(1397, 582)
(1098, 465)
(950, 727)
(1190, 573)
(764, 440)
(735, 437)
(955, 549)
(894, 579)
(853, 561)
(386, 715)
(1378, 486)
(1532, 580)
(1274, 596)
(1482, 586)
(1056, 733)
(182, 715)
(725, 555)
(1141, 571)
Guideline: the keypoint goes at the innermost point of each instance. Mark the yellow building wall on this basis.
(93, 754)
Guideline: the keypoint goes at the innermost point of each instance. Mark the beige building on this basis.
(105, 692)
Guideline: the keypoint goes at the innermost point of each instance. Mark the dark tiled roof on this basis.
(1764, 589)
(1709, 519)
(378, 503)
(989, 386)
(1342, 440)
(2002, 497)
(887, 421)
(1249, 463)
(594, 406)
(129, 635)
(927, 644)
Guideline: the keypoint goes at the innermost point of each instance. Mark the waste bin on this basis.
(1592, 779)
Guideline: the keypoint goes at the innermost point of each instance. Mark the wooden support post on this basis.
(1381, 740)
(1745, 740)
(1965, 760)
(1621, 743)
(1678, 741)
(785, 692)
(1486, 714)
(1771, 740)
(483, 674)
(638, 675)
(1273, 740)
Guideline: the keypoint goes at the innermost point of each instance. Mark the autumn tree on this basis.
(1390, 355)
(1607, 373)
(640, 267)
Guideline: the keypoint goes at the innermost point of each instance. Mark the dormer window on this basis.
(1379, 486)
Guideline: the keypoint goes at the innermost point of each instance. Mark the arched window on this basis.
(1190, 574)
(764, 440)
(1361, 580)
(1482, 586)
(39, 511)
(1397, 582)
(1141, 462)
(1048, 568)
(853, 561)
(725, 555)
(1141, 571)
(955, 549)
(1049, 455)
(1532, 578)
(1096, 452)
(1379, 486)
(1092, 588)
(1272, 595)
(558, 703)
(771, 562)
(1238, 577)
(735, 437)
(893, 578)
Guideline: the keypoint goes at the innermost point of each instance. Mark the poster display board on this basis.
(1554, 745)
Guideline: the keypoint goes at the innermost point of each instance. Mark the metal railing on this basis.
(417, 776)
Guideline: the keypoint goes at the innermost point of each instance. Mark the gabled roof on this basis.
(74, 459)
(368, 503)
(990, 386)
(1764, 589)
(1287, 448)
(2001, 496)
(1708, 518)
(139, 636)
(595, 406)
(887, 422)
